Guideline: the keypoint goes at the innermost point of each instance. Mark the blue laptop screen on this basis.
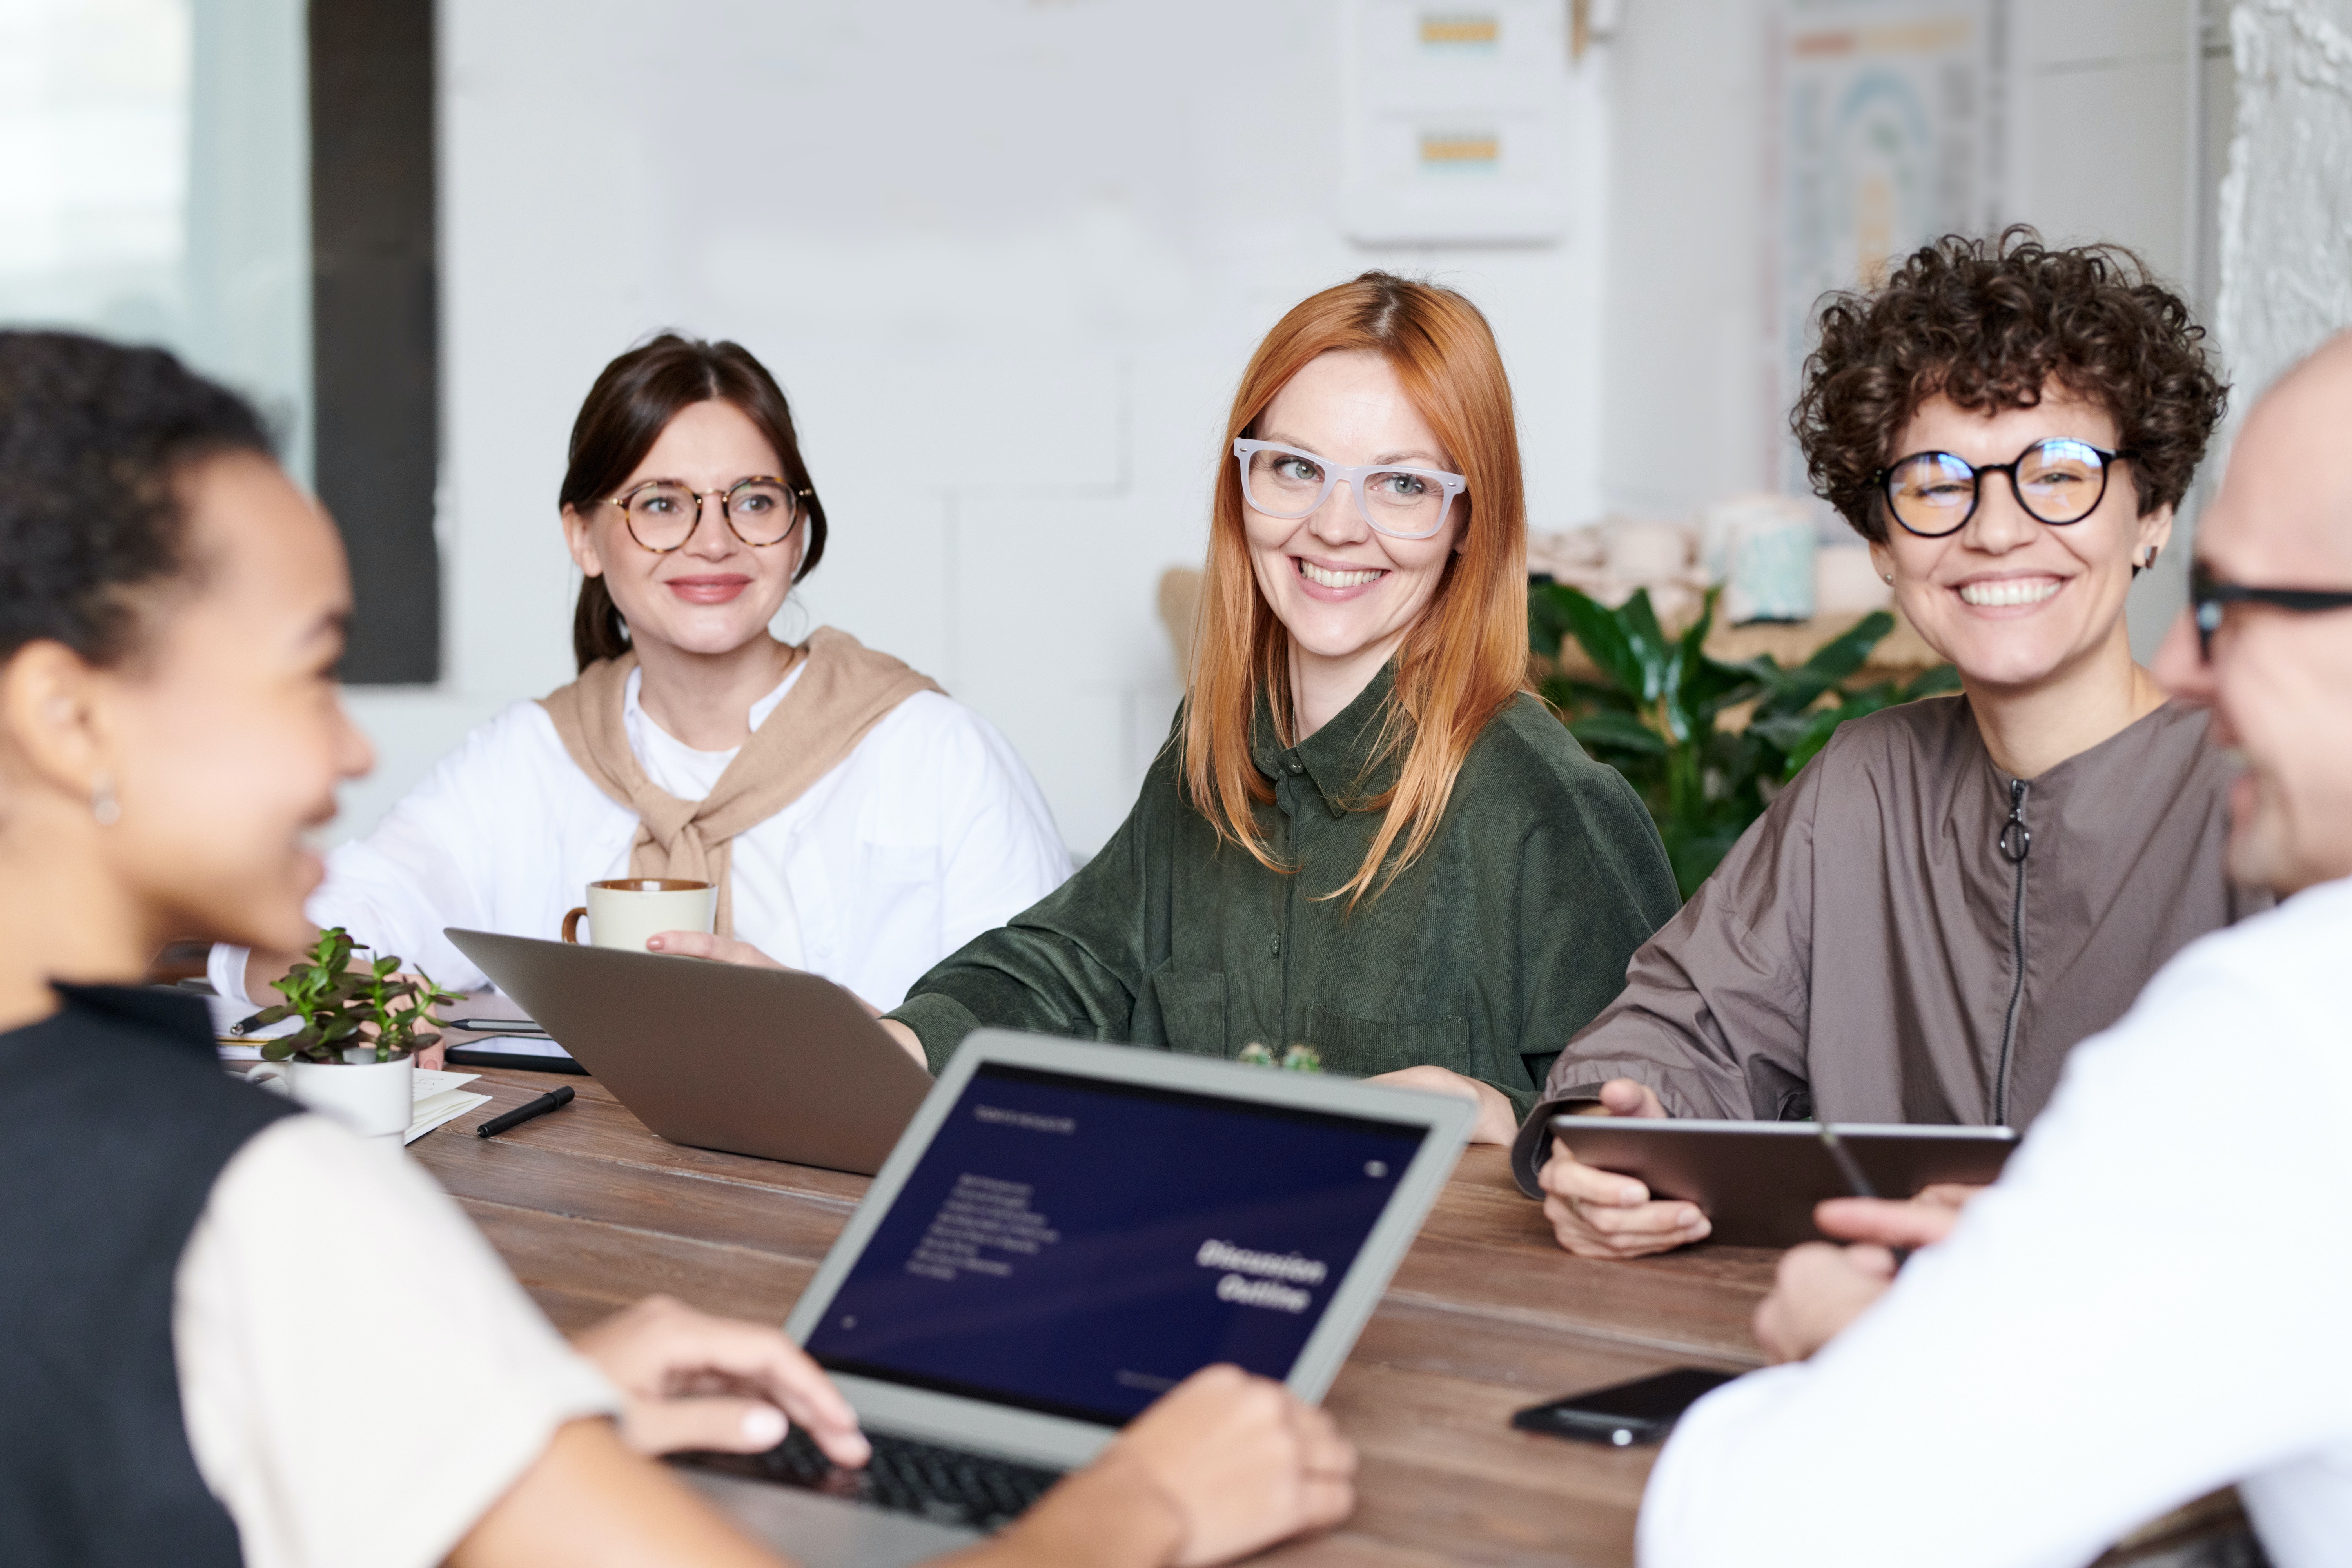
(1079, 1248)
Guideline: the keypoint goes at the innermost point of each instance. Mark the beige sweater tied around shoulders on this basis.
(846, 690)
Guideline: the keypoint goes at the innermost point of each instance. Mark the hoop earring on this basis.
(102, 804)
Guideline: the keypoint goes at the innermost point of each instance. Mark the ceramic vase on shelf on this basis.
(1761, 547)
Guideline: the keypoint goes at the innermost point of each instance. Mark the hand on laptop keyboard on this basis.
(1243, 1461)
(1222, 1466)
(693, 1381)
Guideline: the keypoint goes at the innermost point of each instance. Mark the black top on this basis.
(1506, 937)
(115, 1120)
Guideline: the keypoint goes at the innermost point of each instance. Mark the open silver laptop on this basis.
(771, 1062)
(1066, 1232)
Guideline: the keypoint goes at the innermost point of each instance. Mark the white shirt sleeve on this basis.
(499, 805)
(361, 1377)
(1003, 852)
(2151, 1304)
(982, 841)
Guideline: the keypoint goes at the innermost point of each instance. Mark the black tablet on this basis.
(1758, 1181)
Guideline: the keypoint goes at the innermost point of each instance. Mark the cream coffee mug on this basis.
(374, 1100)
(624, 912)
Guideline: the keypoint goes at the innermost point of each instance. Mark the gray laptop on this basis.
(771, 1062)
(1066, 1232)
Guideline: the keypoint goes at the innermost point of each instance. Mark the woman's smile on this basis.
(709, 588)
(1335, 582)
(2008, 596)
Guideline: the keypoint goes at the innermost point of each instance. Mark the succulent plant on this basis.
(345, 1007)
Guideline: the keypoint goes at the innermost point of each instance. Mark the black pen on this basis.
(553, 1099)
(1850, 1169)
(252, 1023)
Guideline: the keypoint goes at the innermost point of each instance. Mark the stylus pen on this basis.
(498, 1026)
(1850, 1169)
(553, 1099)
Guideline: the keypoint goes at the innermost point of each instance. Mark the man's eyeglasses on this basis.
(661, 514)
(2057, 482)
(2210, 598)
(1404, 503)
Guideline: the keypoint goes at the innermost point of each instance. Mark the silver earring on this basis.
(102, 804)
(1890, 578)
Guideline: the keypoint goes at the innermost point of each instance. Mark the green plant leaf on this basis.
(1604, 635)
(1930, 683)
(1847, 652)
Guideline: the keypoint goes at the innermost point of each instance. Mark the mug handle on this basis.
(275, 1077)
(571, 925)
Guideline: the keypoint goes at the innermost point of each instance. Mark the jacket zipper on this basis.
(2016, 844)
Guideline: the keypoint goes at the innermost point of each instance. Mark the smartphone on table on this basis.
(1642, 1411)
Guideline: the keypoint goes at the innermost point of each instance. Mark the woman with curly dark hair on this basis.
(1956, 891)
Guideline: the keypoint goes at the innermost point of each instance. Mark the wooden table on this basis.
(1485, 1315)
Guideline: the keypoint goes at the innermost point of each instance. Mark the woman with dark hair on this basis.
(1956, 891)
(1365, 835)
(855, 821)
(227, 1322)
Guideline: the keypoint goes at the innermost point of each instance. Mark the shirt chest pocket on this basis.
(1192, 1008)
(1362, 1047)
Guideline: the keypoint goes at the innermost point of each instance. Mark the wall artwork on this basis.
(1887, 134)
(1455, 123)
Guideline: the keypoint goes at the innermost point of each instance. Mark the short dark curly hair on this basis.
(93, 440)
(1990, 324)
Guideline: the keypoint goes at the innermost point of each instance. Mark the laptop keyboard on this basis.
(947, 1486)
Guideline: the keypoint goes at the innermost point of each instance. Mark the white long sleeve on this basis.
(2153, 1301)
(930, 832)
(360, 1375)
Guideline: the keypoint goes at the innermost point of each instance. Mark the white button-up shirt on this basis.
(929, 833)
(2154, 1300)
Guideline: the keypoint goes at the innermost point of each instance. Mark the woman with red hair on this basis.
(1364, 836)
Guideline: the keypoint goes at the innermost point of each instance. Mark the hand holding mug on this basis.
(628, 913)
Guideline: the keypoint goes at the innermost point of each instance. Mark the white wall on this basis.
(2097, 147)
(1007, 260)
(2286, 221)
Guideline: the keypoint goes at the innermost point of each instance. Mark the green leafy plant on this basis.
(1658, 713)
(1297, 1059)
(344, 1007)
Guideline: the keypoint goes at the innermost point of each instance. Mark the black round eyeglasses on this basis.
(2057, 482)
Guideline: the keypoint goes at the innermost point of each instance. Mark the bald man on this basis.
(2156, 1298)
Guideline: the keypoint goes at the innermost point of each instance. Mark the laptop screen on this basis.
(1079, 1248)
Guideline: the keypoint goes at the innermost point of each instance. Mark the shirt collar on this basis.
(1337, 759)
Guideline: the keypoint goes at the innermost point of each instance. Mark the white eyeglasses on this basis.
(1404, 503)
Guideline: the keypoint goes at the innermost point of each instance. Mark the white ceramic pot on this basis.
(374, 1100)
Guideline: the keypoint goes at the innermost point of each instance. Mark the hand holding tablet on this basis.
(1758, 1183)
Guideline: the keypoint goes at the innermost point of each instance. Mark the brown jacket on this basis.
(1861, 947)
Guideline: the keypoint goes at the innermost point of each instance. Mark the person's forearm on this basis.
(589, 1503)
(1110, 1515)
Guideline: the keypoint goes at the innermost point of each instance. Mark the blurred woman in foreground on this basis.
(225, 1319)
